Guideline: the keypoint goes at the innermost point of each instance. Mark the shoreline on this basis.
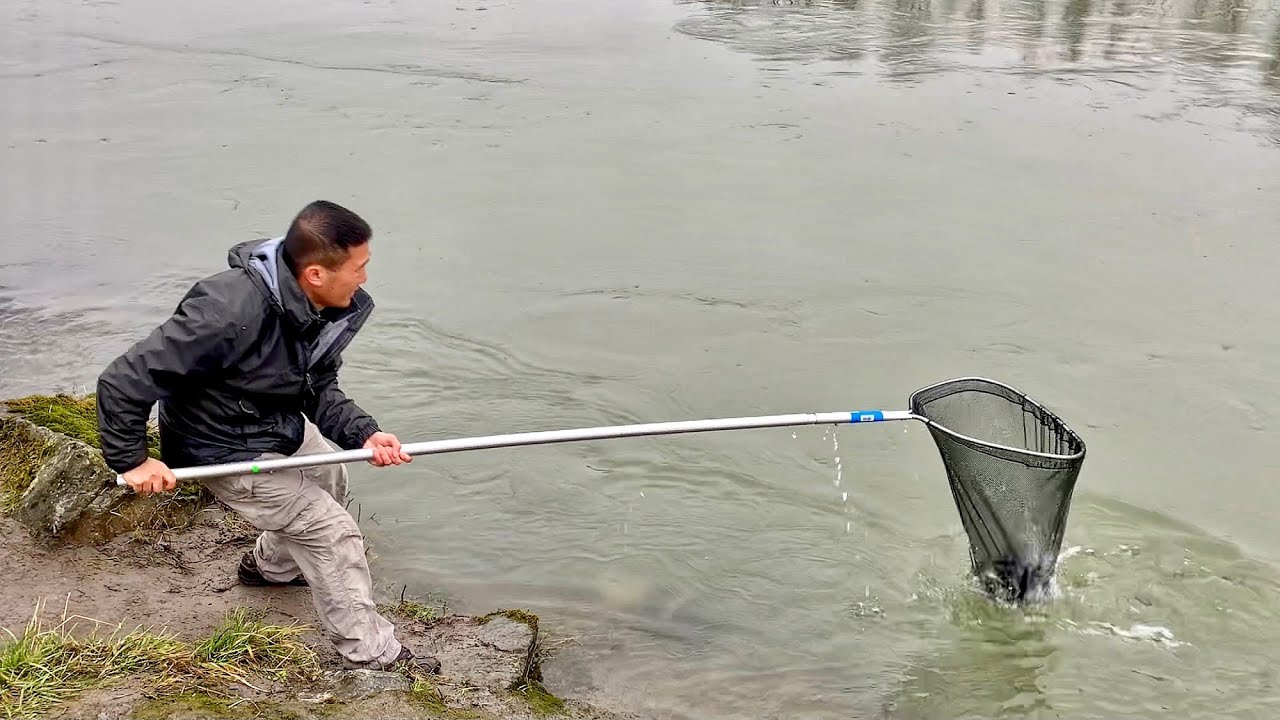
(118, 572)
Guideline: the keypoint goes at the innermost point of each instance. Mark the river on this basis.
(592, 213)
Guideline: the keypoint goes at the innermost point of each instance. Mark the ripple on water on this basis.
(1221, 53)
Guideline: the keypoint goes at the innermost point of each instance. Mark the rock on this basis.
(53, 478)
(469, 653)
(506, 635)
(59, 488)
(349, 685)
(313, 698)
(71, 480)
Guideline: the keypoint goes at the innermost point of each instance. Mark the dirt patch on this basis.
(183, 583)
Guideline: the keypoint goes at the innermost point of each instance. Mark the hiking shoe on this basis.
(408, 661)
(249, 575)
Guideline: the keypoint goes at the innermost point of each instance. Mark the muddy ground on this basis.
(184, 582)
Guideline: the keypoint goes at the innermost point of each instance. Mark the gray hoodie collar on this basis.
(264, 259)
(267, 261)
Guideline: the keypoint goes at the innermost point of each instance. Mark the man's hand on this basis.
(152, 476)
(386, 450)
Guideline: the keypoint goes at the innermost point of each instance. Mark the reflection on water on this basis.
(1273, 62)
(1040, 33)
(1227, 52)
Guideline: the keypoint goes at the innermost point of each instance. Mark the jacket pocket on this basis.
(253, 423)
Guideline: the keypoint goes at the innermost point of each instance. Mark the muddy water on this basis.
(596, 213)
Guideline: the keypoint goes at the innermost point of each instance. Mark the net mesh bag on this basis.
(1012, 466)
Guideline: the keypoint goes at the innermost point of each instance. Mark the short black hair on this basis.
(322, 233)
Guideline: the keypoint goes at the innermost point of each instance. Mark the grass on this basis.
(48, 665)
(436, 608)
(540, 701)
(165, 707)
(244, 643)
(418, 611)
(428, 696)
(521, 616)
(73, 416)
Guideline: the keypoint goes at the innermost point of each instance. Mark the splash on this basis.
(1144, 632)
(839, 478)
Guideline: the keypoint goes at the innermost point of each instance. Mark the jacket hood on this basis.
(263, 260)
(262, 257)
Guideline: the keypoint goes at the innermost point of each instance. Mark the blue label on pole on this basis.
(861, 416)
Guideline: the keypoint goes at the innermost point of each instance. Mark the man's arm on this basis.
(196, 339)
(338, 416)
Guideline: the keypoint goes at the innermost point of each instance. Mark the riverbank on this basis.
(147, 619)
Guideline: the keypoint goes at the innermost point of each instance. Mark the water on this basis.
(592, 213)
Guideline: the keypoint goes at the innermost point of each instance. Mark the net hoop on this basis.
(1074, 438)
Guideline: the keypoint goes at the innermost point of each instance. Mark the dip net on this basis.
(1012, 466)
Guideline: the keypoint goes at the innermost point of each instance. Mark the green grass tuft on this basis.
(521, 616)
(46, 666)
(540, 701)
(201, 704)
(73, 416)
(436, 607)
(243, 641)
(419, 611)
(427, 695)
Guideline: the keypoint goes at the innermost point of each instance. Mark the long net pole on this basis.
(435, 447)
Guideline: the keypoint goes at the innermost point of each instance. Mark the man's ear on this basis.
(312, 275)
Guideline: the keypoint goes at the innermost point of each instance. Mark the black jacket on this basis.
(243, 358)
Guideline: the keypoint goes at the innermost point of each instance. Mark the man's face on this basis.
(336, 288)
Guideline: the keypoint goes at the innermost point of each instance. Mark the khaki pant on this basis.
(307, 530)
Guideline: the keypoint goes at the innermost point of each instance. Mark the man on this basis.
(247, 368)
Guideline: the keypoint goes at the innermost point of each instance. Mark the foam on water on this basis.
(1157, 634)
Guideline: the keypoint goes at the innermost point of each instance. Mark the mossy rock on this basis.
(75, 416)
(54, 481)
